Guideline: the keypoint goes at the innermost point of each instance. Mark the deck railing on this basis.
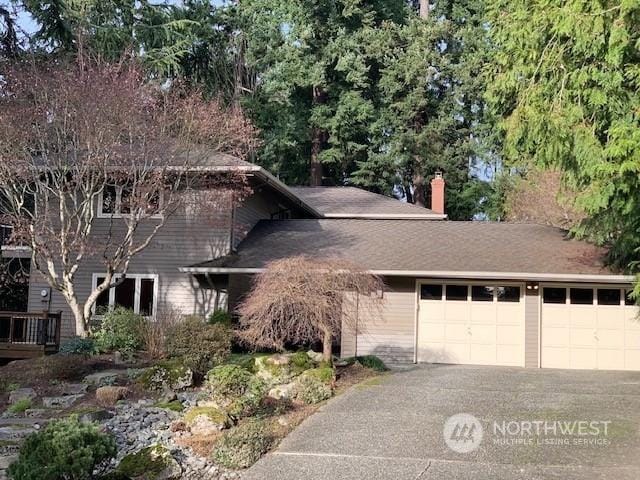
(22, 328)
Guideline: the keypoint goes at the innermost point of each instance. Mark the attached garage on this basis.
(588, 327)
(469, 323)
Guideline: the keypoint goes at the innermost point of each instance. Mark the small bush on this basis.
(324, 374)
(146, 463)
(300, 362)
(20, 406)
(221, 317)
(199, 345)
(310, 389)
(235, 388)
(63, 449)
(63, 367)
(372, 362)
(244, 445)
(108, 396)
(78, 346)
(120, 330)
(154, 332)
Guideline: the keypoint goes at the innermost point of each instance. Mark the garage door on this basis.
(589, 328)
(471, 324)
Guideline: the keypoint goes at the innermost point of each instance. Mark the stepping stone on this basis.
(35, 412)
(104, 378)
(74, 388)
(15, 434)
(64, 401)
(22, 394)
(7, 460)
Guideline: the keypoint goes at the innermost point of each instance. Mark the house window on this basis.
(581, 296)
(480, 293)
(136, 292)
(608, 296)
(554, 295)
(116, 202)
(431, 292)
(457, 292)
(508, 294)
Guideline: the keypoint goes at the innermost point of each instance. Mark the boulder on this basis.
(278, 359)
(73, 388)
(35, 412)
(151, 463)
(101, 379)
(63, 401)
(286, 390)
(315, 356)
(206, 420)
(271, 372)
(96, 416)
(22, 394)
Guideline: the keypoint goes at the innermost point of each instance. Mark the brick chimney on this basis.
(437, 193)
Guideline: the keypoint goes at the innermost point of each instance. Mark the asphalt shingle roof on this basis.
(415, 245)
(352, 200)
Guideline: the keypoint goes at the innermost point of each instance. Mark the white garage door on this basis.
(590, 328)
(471, 324)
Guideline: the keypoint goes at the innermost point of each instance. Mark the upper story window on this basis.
(116, 201)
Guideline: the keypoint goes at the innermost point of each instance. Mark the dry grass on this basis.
(154, 332)
(201, 445)
(109, 396)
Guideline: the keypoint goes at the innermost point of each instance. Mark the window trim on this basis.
(469, 284)
(136, 296)
(118, 205)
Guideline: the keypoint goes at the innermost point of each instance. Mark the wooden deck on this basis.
(27, 335)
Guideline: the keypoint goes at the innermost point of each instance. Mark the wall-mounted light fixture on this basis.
(532, 286)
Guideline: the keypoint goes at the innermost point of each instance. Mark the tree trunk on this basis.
(418, 190)
(318, 137)
(80, 320)
(424, 8)
(327, 344)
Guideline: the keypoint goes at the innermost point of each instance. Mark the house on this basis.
(457, 292)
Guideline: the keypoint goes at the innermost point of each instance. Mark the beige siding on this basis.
(531, 318)
(392, 336)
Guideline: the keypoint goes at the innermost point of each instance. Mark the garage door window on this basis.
(481, 293)
(457, 292)
(608, 296)
(555, 295)
(431, 292)
(508, 294)
(581, 296)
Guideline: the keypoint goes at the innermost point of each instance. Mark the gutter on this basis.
(389, 216)
(533, 277)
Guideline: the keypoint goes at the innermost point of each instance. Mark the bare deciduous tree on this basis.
(541, 197)
(300, 300)
(74, 134)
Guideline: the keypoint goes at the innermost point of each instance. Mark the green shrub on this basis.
(221, 317)
(64, 449)
(245, 360)
(312, 390)
(20, 406)
(242, 446)
(300, 362)
(78, 346)
(199, 345)
(235, 389)
(372, 362)
(324, 374)
(146, 463)
(120, 330)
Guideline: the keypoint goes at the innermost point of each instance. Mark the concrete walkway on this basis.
(394, 430)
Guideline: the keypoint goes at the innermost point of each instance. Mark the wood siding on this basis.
(531, 327)
(392, 336)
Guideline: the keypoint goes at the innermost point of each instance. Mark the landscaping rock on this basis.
(64, 401)
(22, 394)
(272, 373)
(101, 379)
(35, 412)
(206, 420)
(188, 399)
(286, 390)
(74, 388)
(15, 433)
(7, 460)
(96, 416)
(315, 356)
(278, 359)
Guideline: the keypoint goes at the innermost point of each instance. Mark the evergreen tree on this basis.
(566, 84)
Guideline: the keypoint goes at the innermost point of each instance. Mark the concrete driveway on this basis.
(394, 429)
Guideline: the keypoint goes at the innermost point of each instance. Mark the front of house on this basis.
(457, 292)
